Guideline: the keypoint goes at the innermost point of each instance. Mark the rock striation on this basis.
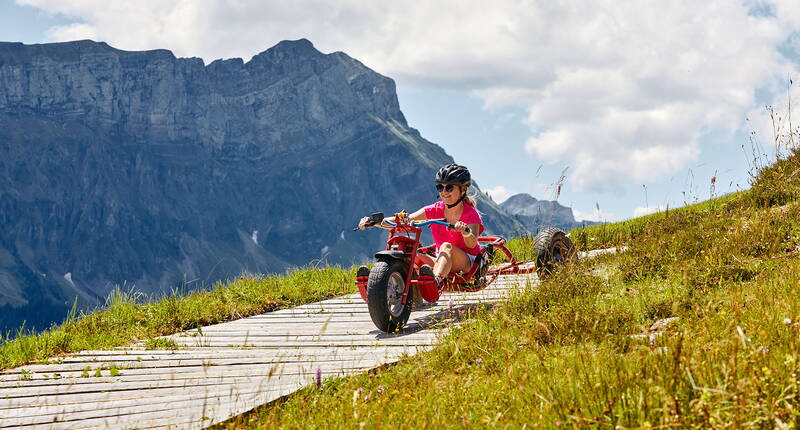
(144, 169)
(538, 214)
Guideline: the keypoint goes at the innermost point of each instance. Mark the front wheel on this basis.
(385, 288)
(551, 248)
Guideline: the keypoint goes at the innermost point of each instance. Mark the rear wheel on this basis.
(385, 288)
(552, 248)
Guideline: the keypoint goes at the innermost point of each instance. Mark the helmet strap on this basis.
(457, 201)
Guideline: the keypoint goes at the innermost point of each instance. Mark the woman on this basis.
(456, 248)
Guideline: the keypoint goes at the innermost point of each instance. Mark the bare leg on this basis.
(450, 259)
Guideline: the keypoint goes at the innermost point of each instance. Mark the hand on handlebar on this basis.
(461, 227)
(362, 224)
(370, 221)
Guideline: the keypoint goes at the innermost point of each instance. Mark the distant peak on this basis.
(521, 198)
(297, 47)
(287, 49)
(295, 44)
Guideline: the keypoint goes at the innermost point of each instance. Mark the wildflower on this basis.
(478, 360)
(380, 388)
(319, 378)
(787, 321)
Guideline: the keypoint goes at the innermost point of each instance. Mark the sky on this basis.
(631, 105)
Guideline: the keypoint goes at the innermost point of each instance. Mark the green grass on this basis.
(576, 351)
(128, 318)
(616, 234)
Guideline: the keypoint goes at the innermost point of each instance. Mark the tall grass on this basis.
(128, 317)
(581, 349)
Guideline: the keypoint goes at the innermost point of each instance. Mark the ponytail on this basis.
(469, 199)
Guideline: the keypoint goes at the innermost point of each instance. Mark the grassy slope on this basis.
(566, 353)
(127, 319)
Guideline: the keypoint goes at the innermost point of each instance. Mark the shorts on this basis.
(471, 259)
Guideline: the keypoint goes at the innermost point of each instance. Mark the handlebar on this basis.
(441, 221)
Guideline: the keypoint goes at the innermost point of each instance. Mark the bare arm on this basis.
(471, 238)
(419, 215)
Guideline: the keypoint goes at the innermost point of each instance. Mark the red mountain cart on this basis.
(393, 286)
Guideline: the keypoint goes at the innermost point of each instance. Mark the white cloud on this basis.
(618, 90)
(644, 210)
(75, 31)
(551, 145)
(500, 193)
(594, 215)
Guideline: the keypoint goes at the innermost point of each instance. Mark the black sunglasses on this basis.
(448, 187)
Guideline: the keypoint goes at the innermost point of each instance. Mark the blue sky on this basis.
(26, 24)
(638, 103)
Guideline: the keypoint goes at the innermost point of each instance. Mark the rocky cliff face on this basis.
(538, 214)
(143, 168)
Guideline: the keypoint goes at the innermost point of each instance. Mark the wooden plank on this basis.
(312, 335)
(136, 351)
(138, 386)
(81, 411)
(101, 398)
(340, 318)
(195, 372)
(141, 354)
(325, 313)
(289, 329)
(286, 333)
(37, 370)
(132, 415)
(362, 326)
(186, 418)
(253, 343)
(360, 316)
(11, 408)
(362, 307)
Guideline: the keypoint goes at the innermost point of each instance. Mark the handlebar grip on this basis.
(453, 227)
(374, 219)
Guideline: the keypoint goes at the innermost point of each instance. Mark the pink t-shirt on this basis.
(442, 234)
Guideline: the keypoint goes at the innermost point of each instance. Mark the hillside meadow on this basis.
(697, 325)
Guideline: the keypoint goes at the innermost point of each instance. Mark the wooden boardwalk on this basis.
(223, 370)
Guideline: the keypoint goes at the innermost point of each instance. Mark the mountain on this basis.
(143, 168)
(537, 214)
